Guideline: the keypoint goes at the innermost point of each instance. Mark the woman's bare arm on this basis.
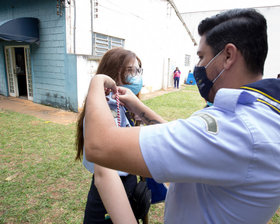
(136, 106)
(113, 194)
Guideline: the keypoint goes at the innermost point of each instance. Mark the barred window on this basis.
(103, 43)
(187, 60)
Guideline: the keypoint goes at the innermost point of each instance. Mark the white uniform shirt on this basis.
(124, 123)
(224, 161)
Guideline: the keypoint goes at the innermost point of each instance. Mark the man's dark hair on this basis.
(245, 28)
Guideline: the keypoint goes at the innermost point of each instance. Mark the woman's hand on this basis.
(134, 105)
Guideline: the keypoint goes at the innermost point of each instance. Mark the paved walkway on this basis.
(50, 113)
(40, 111)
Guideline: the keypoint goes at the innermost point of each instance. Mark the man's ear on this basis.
(231, 55)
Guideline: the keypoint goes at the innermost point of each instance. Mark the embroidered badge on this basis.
(211, 123)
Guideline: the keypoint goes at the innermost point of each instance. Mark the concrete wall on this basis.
(271, 13)
(53, 71)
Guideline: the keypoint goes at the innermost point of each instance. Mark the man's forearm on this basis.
(98, 116)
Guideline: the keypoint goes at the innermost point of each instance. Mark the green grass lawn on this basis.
(41, 183)
(178, 104)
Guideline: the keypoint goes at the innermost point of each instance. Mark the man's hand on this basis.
(108, 83)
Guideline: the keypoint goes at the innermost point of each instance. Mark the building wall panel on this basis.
(49, 59)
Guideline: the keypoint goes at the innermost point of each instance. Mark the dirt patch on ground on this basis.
(40, 111)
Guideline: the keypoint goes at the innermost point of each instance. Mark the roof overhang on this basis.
(24, 29)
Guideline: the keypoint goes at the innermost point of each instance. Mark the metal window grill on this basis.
(102, 43)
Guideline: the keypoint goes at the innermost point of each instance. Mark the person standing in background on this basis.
(176, 77)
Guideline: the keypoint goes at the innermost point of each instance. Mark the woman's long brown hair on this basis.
(114, 64)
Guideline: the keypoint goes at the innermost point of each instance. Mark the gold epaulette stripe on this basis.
(256, 90)
(268, 104)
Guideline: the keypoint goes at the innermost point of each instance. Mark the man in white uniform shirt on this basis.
(224, 161)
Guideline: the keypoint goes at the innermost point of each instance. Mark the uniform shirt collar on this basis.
(266, 87)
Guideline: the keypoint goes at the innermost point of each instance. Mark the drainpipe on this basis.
(181, 19)
(74, 33)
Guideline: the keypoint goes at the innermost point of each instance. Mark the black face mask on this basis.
(203, 83)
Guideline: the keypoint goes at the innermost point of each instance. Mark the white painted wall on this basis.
(202, 5)
(150, 28)
(78, 16)
(272, 65)
(85, 71)
(271, 13)
(83, 34)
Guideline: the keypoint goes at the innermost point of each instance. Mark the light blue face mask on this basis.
(136, 83)
(209, 103)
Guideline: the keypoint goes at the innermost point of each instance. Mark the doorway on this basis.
(18, 71)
